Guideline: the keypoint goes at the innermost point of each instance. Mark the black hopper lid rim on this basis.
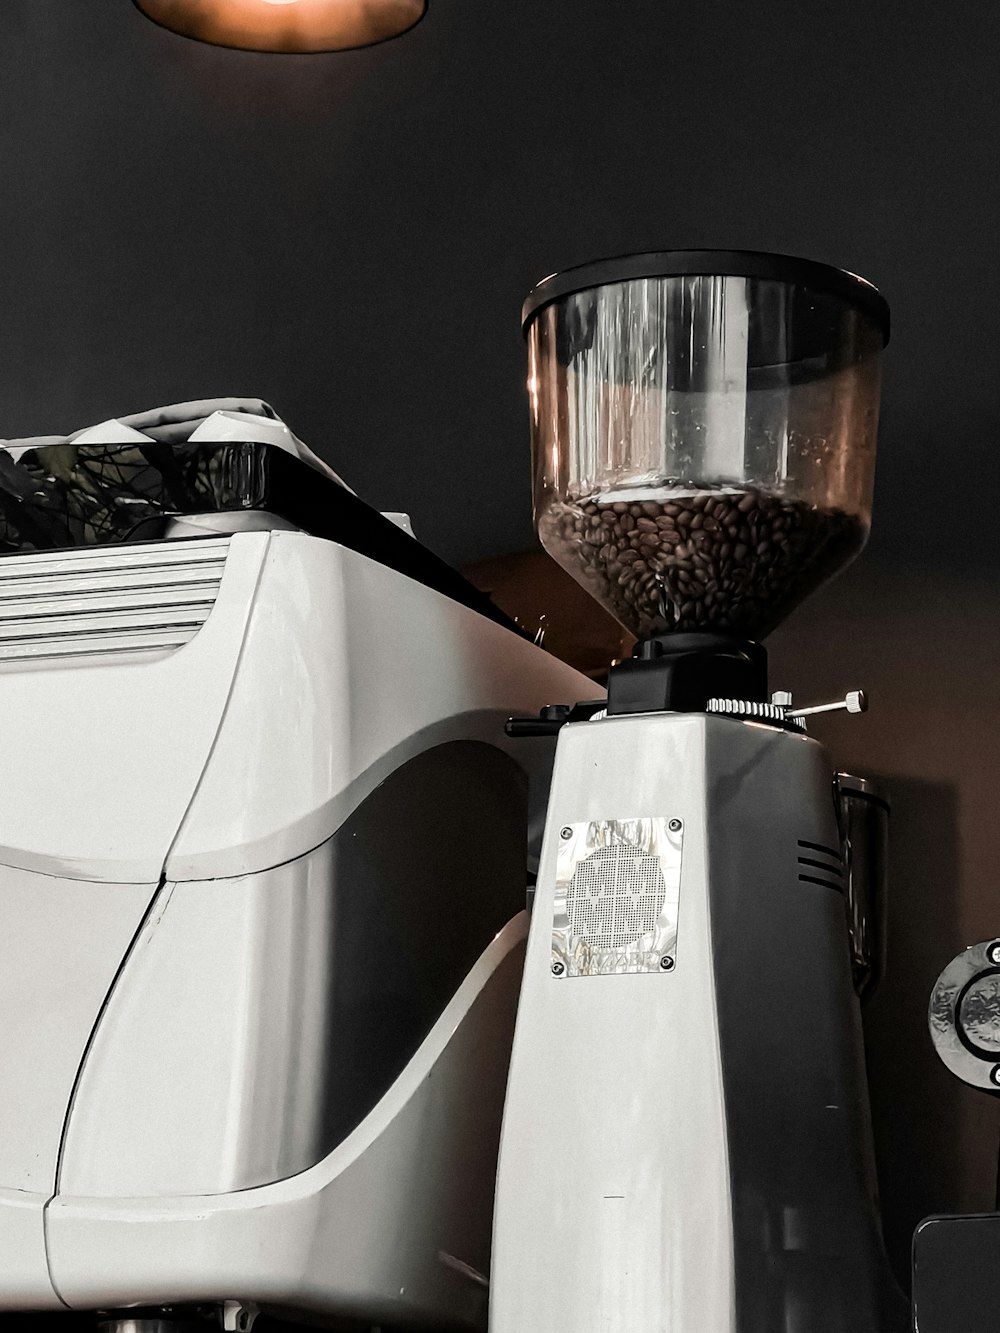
(809, 273)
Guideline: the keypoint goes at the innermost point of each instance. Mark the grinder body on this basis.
(686, 1141)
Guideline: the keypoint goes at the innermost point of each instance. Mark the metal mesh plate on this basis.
(616, 898)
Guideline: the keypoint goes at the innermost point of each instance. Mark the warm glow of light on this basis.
(286, 25)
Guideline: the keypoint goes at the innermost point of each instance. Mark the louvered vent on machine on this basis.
(820, 865)
(116, 599)
(615, 896)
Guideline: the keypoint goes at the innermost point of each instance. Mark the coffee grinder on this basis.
(686, 1144)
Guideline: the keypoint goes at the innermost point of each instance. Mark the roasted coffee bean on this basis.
(710, 558)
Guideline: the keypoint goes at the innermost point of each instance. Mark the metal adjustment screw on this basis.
(782, 698)
(674, 826)
(667, 965)
(856, 701)
(993, 952)
(995, 1076)
(558, 968)
(566, 832)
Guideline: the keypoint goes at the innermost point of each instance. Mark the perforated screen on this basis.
(615, 896)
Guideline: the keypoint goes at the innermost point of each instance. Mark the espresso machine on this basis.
(686, 1144)
(264, 847)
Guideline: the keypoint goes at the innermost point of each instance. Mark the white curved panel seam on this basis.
(306, 1184)
(484, 726)
(355, 713)
(140, 931)
(234, 676)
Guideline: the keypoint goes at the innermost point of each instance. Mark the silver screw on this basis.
(993, 952)
(995, 1076)
(674, 826)
(558, 968)
(782, 698)
(667, 964)
(566, 832)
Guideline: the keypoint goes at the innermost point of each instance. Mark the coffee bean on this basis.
(735, 560)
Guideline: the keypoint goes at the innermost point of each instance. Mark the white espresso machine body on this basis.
(262, 873)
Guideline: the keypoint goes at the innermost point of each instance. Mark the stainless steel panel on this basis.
(616, 897)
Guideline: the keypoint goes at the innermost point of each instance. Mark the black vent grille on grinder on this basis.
(615, 896)
(820, 865)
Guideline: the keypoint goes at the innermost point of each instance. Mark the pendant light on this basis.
(286, 25)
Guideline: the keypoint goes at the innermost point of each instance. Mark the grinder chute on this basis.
(703, 432)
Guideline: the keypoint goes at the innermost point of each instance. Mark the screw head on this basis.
(995, 1076)
(558, 968)
(993, 952)
(674, 826)
(565, 832)
(666, 963)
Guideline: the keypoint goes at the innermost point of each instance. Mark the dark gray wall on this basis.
(351, 236)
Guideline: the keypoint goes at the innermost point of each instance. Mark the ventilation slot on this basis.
(91, 602)
(820, 865)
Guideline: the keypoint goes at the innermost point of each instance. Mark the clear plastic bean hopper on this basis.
(703, 428)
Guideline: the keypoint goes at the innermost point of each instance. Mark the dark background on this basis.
(350, 237)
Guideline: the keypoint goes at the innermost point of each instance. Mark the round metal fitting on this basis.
(993, 952)
(964, 1016)
(558, 968)
(565, 832)
(674, 826)
(666, 963)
